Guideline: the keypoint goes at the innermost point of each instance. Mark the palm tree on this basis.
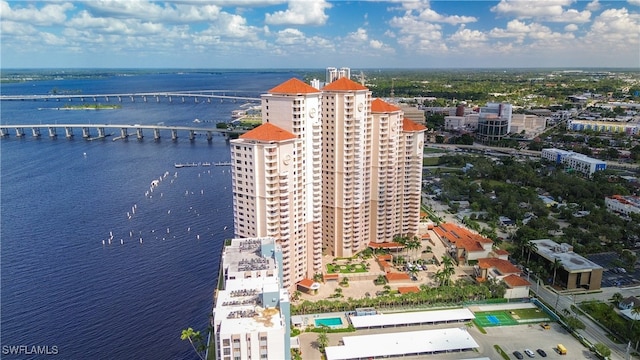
(530, 247)
(193, 337)
(447, 262)
(635, 312)
(323, 339)
(557, 263)
(417, 243)
(616, 298)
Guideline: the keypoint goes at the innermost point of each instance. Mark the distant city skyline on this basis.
(319, 33)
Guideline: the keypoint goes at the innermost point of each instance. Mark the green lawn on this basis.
(530, 314)
(346, 268)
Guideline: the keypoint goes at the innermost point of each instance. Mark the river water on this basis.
(95, 264)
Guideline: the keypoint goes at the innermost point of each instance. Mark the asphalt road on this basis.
(593, 333)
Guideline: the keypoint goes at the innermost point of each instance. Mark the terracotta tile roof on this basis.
(385, 245)
(306, 283)
(408, 289)
(344, 84)
(268, 132)
(397, 277)
(330, 276)
(515, 281)
(410, 125)
(385, 257)
(504, 266)
(501, 252)
(462, 237)
(293, 86)
(380, 106)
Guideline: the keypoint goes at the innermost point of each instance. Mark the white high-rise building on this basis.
(276, 178)
(334, 74)
(396, 173)
(328, 171)
(251, 318)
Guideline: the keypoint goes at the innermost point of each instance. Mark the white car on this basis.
(529, 353)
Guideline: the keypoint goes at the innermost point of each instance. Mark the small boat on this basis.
(185, 165)
(206, 164)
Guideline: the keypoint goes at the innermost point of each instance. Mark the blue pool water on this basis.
(329, 321)
(492, 319)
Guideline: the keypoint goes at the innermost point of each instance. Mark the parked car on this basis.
(518, 355)
(541, 353)
(529, 353)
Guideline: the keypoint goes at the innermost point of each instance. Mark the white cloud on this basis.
(50, 14)
(432, 16)
(144, 10)
(528, 34)
(375, 44)
(301, 12)
(359, 35)
(543, 10)
(593, 5)
(290, 36)
(418, 35)
(127, 27)
(12, 28)
(616, 28)
(571, 28)
(466, 38)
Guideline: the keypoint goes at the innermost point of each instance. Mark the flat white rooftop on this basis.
(402, 343)
(411, 318)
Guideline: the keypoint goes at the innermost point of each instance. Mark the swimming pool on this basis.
(335, 321)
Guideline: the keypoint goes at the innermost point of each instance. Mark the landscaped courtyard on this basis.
(336, 268)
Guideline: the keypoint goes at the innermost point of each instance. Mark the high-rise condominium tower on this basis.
(277, 182)
(328, 171)
(396, 173)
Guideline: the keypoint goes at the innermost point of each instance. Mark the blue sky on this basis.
(319, 33)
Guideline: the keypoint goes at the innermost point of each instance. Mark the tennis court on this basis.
(494, 318)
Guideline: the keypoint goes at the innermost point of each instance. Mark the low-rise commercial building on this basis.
(463, 244)
(575, 271)
(574, 161)
(623, 205)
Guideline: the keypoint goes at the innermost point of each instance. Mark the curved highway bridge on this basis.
(181, 96)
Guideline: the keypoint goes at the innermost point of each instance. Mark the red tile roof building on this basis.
(328, 169)
(396, 173)
(468, 245)
(503, 270)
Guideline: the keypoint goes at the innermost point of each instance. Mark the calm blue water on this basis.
(60, 199)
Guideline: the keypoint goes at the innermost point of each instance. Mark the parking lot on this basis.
(509, 338)
(611, 277)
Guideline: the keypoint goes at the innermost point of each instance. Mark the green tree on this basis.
(575, 323)
(557, 264)
(602, 349)
(635, 312)
(616, 298)
(195, 339)
(530, 246)
(323, 339)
